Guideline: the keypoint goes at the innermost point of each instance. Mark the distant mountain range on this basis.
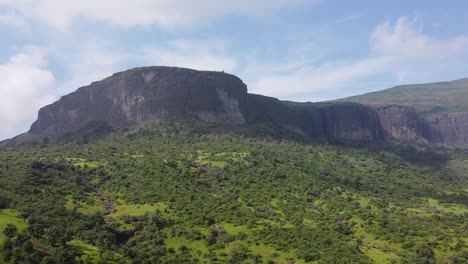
(432, 112)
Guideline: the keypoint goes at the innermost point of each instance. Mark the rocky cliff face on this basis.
(129, 97)
(399, 122)
(332, 121)
(449, 128)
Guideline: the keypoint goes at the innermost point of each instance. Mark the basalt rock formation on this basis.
(399, 122)
(128, 98)
(449, 128)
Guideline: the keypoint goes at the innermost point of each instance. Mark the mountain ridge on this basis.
(442, 107)
(130, 97)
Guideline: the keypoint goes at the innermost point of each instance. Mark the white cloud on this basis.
(310, 80)
(94, 61)
(11, 19)
(405, 38)
(186, 13)
(25, 86)
(200, 55)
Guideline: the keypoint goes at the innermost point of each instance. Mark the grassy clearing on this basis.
(8, 216)
(219, 160)
(378, 256)
(91, 205)
(121, 208)
(266, 252)
(379, 251)
(90, 252)
(235, 230)
(82, 163)
(195, 245)
(433, 206)
(446, 207)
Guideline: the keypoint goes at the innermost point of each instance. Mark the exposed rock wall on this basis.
(129, 97)
(353, 122)
(333, 121)
(399, 122)
(449, 128)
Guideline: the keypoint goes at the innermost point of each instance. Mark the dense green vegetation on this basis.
(169, 192)
(428, 99)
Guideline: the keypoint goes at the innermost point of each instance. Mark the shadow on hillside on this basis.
(421, 155)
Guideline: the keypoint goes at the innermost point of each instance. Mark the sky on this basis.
(302, 50)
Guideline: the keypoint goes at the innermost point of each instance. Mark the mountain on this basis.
(177, 166)
(442, 108)
(128, 98)
(131, 97)
(432, 99)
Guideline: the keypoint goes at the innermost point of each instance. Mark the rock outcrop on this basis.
(399, 122)
(328, 121)
(449, 128)
(129, 97)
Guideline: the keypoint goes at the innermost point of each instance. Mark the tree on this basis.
(10, 231)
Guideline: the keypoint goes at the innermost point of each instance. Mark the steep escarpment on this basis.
(399, 122)
(331, 121)
(449, 128)
(128, 98)
(132, 96)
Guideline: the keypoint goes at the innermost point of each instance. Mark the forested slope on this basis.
(171, 192)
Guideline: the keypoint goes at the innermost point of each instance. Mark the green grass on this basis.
(121, 208)
(219, 160)
(446, 207)
(428, 99)
(432, 207)
(378, 256)
(267, 252)
(80, 162)
(90, 252)
(92, 205)
(377, 250)
(8, 216)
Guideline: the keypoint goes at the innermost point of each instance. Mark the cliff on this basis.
(328, 121)
(132, 96)
(449, 128)
(399, 122)
(128, 98)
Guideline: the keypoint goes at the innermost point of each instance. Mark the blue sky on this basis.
(304, 50)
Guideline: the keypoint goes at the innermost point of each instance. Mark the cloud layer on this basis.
(25, 85)
(175, 13)
(405, 38)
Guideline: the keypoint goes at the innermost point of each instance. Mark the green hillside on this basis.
(174, 192)
(428, 99)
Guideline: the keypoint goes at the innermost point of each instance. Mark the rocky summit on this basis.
(128, 98)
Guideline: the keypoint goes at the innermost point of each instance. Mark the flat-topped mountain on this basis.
(131, 97)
